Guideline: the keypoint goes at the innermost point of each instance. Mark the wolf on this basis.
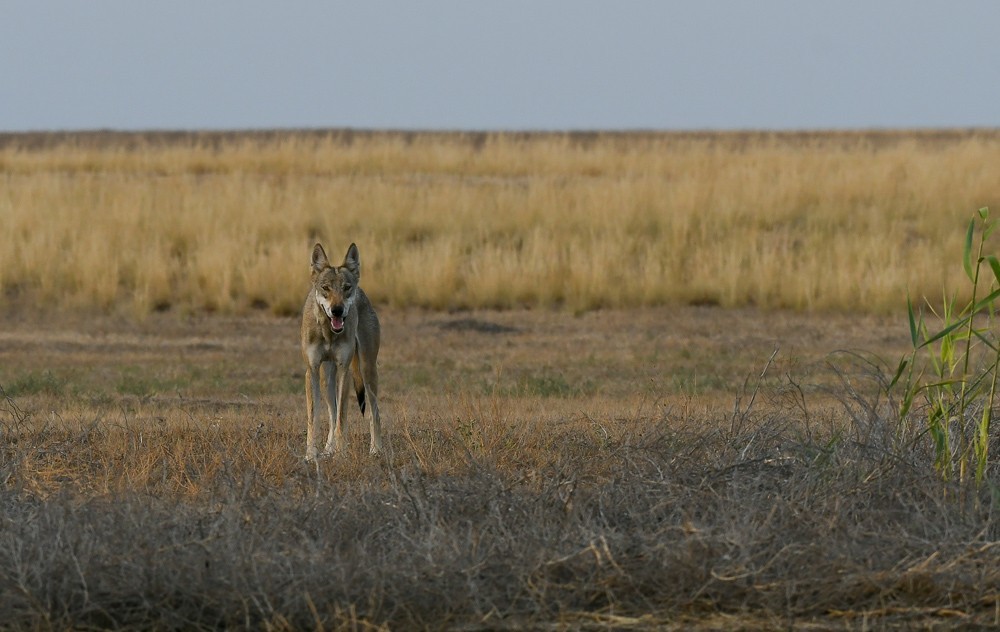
(340, 334)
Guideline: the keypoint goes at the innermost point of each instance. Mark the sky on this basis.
(499, 65)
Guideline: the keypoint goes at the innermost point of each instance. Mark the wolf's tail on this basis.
(359, 383)
(361, 398)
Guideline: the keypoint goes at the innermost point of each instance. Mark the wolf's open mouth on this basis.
(336, 324)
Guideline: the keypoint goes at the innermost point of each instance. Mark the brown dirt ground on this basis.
(553, 364)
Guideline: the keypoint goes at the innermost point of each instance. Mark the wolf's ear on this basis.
(319, 260)
(352, 261)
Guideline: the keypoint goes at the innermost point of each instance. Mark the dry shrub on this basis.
(776, 519)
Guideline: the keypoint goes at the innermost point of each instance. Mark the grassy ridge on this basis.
(224, 222)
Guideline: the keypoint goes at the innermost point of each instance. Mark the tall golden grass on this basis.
(846, 221)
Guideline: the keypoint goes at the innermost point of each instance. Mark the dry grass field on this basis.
(225, 222)
(629, 381)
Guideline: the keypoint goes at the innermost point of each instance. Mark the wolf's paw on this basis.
(332, 451)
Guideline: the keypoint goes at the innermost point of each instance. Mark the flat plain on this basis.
(709, 445)
(681, 468)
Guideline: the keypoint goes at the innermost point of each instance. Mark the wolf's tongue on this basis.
(336, 323)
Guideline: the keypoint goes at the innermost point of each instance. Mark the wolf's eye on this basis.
(347, 288)
(327, 288)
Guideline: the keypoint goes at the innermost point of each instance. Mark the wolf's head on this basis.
(335, 286)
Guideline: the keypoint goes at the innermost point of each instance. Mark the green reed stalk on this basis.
(946, 378)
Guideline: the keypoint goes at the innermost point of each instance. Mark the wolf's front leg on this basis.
(336, 382)
(312, 397)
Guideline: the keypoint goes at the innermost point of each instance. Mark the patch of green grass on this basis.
(136, 384)
(36, 383)
(214, 377)
(546, 383)
(143, 381)
(278, 385)
(696, 383)
(420, 377)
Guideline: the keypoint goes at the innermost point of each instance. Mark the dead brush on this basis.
(666, 520)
